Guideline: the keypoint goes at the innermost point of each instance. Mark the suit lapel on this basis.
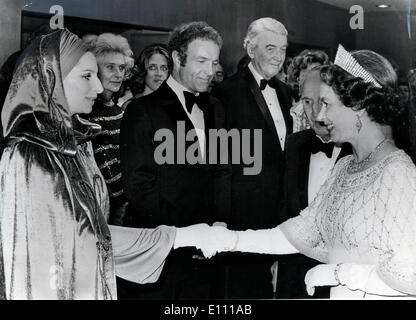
(173, 106)
(177, 113)
(261, 103)
(209, 122)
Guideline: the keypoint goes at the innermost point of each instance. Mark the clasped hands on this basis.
(217, 238)
(210, 239)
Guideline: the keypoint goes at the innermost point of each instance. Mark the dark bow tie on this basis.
(264, 82)
(201, 100)
(318, 146)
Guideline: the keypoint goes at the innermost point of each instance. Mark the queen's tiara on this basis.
(346, 61)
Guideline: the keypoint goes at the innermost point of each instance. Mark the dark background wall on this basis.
(309, 23)
(388, 34)
(9, 28)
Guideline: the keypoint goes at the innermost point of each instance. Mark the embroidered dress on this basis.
(366, 218)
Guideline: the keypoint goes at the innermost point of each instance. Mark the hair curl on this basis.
(109, 43)
(383, 105)
(137, 81)
(303, 61)
(184, 34)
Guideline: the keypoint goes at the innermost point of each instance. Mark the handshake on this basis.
(210, 239)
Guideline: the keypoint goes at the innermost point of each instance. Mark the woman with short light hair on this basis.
(300, 65)
(114, 59)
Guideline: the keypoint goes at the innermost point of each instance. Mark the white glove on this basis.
(190, 236)
(266, 241)
(219, 224)
(209, 239)
(321, 275)
(220, 240)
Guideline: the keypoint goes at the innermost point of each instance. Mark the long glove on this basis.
(209, 239)
(268, 241)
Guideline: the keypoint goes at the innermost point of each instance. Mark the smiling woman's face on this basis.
(338, 119)
(82, 85)
(111, 70)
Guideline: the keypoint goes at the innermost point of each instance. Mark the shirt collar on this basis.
(178, 89)
(323, 141)
(256, 75)
(336, 148)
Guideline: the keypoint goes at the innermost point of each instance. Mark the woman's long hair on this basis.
(137, 81)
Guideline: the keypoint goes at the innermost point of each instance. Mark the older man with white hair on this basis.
(255, 99)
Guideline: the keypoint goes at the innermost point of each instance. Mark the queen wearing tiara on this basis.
(362, 224)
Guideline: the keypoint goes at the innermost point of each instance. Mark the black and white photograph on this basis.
(205, 156)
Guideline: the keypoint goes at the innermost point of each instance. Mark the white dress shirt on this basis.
(319, 168)
(269, 95)
(196, 116)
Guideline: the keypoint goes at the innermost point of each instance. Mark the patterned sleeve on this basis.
(302, 231)
(397, 235)
(303, 234)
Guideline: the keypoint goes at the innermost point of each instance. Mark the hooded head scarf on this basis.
(71, 49)
(36, 108)
(51, 184)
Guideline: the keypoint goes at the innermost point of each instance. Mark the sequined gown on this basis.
(367, 218)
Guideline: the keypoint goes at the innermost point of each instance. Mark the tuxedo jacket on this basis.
(169, 194)
(298, 155)
(255, 199)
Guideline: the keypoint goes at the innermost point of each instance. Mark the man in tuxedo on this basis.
(254, 99)
(165, 188)
(310, 156)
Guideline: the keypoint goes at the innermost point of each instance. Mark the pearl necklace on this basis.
(357, 166)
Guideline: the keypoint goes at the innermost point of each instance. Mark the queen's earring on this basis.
(358, 123)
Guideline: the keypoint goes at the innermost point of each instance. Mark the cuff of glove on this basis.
(188, 236)
(244, 242)
(354, 276)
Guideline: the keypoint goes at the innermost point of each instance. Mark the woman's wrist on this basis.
(190, 236)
